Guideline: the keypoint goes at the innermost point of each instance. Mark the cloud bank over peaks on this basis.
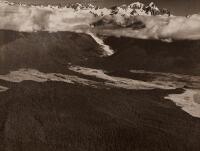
(151, 27)
(135, 20)
(30, 18)
(41, 18)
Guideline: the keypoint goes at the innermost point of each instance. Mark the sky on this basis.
(177, 7)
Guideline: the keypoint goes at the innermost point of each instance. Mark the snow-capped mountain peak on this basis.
(152, 5)
(133, 9)
(136, 5)
(138, 8)
(124, 15)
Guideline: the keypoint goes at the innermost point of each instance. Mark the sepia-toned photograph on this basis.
(100, 75)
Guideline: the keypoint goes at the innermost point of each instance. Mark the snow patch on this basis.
(189, 101)
(171, 79)
(2, 88)
(107, 50)
(118, 81)
(37, 76)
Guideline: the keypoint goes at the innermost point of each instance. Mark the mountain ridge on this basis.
(135, 8)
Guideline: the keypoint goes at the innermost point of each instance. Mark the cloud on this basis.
(37, 18)
(40, 18)
(157, 27)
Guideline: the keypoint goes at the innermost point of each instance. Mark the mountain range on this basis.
(135, 8)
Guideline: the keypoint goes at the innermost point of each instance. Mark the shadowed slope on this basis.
(154, 55)
(45, 51)
(54, 116)
(45, 115)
